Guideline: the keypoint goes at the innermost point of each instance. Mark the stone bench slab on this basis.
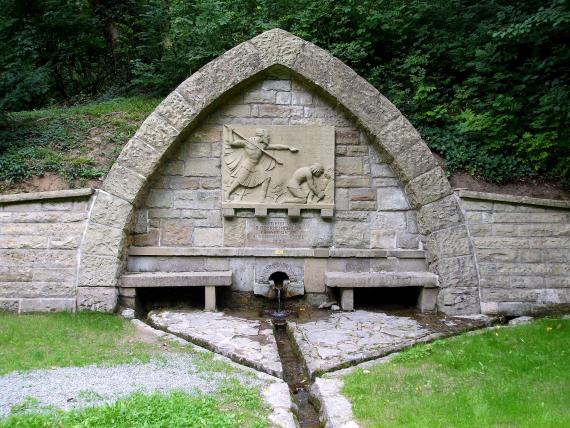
(177, 279)
(381, 279)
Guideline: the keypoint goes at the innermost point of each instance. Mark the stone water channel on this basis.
(300, 347)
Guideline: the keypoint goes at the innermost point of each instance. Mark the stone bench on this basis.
(208, 280)
(347, 281)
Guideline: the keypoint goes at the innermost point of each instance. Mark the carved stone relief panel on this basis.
(278, 167)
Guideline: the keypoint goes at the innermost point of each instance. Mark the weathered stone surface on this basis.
(207, 237)
(428, 187)
(123, 182)
(100, 299)
(381, 238)
(351, 234)
(98, 271)
(176, 232)
(139, 157)
(392, 198)
(450, 242)
(248, 342)
(176, 279)
(380, 279)
(47, 305)
(10, 305)
(38, 289)
(315, 275)
(103, 240)
(278, 47)
(441, 214)
(50, 195)
(334, 409)
(157, 132)
(413, 162)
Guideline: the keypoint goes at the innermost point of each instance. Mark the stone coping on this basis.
(524, 200)
(42, 196)
(273, 252)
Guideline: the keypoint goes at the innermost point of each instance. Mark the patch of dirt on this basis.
(533, 188)
(45, 183)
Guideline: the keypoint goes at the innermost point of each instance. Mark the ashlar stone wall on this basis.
(183, 204)
(523, 252)
(40, 235)
(180, 225)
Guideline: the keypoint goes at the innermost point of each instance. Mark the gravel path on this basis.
(76, 387)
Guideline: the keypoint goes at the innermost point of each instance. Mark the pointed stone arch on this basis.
(449, 249)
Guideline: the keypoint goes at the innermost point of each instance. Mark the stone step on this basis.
(381, 279)
(177, 279)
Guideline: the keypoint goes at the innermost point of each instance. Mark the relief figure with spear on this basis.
(249, 160)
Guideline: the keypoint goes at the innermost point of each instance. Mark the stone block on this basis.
(198, 199)
(157, 132)
(141, 221)
(149, 239)
(366, 194)
(382, 238)
(259, 97)
(176, 279)
(38, 289)
(272, 110)
(392, 199)
(110, 210)
(103, 240)
(47, 305)
(159, 199)
(9, 305)
(347, 299)
(428, 187)
(382, 170)
(450, 242)
(234, 232)
(278, 85)
(427, 300)
(197, 150)
(100, 299)
(24, 241)
(351, 234)
(176, 232)
(123, 182)
(177, 110)
(356, 181)
(210, 298)
(98, 271)
(440, 214)
(414, 161)
(349, 166)
(363, 205)
(456, 272)
(17, 273)
(139, 157)
(208, 237)
(243, 271)
(409, 241)
(283, 98)
(206, 134)
(380, 279)
(301, 98)
(59, 275)
(38, 257)
(395, 220)
(459, 301)
(173, 167)
(315, 275)
(183, 183)
(278, 47)
(203, 167)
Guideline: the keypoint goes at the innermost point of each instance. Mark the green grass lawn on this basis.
(63, 339)
(508, 377)
(234, 406)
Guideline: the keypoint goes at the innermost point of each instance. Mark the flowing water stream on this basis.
(295, 374)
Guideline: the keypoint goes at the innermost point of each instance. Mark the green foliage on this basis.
(486, 83)
(77, 143)
(511, 376)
